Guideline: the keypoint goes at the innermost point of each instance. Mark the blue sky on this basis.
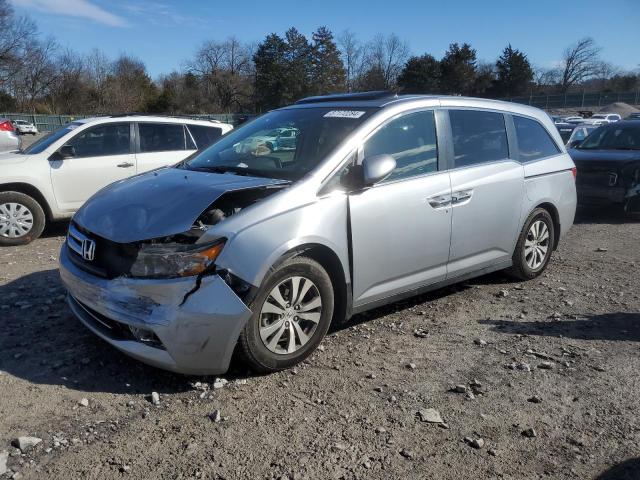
(164, 33)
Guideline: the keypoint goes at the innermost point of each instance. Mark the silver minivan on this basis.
(257, 250)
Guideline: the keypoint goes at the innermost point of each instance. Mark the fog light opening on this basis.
(145, 336)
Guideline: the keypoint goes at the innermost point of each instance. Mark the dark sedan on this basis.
(608, 163)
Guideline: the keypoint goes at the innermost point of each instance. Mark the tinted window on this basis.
(478, 137)
(613, 137)
(533, 140)
(411, 141)
(106, 139)
(204, 136)
(162, 137)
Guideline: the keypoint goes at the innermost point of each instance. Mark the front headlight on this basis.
(174, 260)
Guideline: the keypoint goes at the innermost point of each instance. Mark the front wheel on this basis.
(291, 315)
(535, 244)
(21, 219)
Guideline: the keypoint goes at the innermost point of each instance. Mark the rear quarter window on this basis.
(204, 136)
(534, 142)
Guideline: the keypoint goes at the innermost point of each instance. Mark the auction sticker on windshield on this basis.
(344, 114)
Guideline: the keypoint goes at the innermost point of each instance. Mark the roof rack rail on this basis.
(373, 95)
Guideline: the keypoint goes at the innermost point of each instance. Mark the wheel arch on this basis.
(555, 216)
(330, 261)
(33, 192)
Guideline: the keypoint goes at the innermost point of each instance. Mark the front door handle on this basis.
(439, 201)
(461, 196)
(125, 165)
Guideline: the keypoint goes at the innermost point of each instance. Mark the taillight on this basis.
(6, 126)
(574, 170)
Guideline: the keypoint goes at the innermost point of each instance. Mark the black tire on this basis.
(252, 350)
(520, 268)
(34, 207)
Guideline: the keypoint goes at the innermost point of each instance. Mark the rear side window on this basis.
(411, 141)
(534, 141)
(162, 137)
(478, 137)
(204, 136)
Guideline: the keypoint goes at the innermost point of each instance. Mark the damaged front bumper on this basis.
(187, 330)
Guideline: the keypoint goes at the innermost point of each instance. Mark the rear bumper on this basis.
(588, 195)
(197, 335)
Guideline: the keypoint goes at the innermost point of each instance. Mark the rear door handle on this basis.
(461, 196)
(125, 165)
(440, 201)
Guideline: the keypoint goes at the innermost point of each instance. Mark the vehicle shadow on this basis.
(43, 343)
(627, 470)
(608, 326)
(55, 229)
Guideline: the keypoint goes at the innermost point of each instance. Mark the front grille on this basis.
(110, 259)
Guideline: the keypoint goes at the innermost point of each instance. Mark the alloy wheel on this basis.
(290, 315)
(536, 245)
(16, 220)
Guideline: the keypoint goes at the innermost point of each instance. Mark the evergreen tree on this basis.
(514, 73)
(271, 73)
(299, 66)
(328, 73)
(459, 69)
(420, 75)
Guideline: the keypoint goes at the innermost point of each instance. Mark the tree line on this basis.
(231, 76)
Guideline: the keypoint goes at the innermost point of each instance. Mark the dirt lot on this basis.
(351, 410)
(559, 355)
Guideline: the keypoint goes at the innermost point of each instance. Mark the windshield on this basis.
(44, 142)
(283, 144)
(613, 137)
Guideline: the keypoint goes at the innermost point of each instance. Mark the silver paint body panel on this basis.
(391, 239)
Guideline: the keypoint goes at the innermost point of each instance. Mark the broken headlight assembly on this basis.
(172, 260)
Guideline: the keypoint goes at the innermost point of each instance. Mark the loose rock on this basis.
(84, 402)
(215, 416)
(4, 455)
(529, 433)
(26, 443)
(430, 415)
(476, 443)
(155, 398)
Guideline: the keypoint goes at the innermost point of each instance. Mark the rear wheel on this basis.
(291, 315)
(535, 244)
(21, 219)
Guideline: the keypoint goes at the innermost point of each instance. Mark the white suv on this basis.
(52, 178)
(602, 119)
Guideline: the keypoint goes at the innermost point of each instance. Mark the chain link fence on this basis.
(577, 100)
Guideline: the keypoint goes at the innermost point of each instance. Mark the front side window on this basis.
(478, 137)
(411, 141)
(162, 137)
(258, 148)
(534, 141)
(101, 140)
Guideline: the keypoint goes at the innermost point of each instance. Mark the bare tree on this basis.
(35, 74)
(579, 62)
(15, 34)
(351, 51)
(387, 55)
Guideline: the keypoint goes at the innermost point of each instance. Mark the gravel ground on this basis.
(546, 373)
(530, 380)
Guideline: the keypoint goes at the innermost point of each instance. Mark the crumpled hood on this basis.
(622, 156)
(158, 203)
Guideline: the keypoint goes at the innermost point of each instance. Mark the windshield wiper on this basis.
(227, 169)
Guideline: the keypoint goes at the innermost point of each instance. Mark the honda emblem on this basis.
(88, 249)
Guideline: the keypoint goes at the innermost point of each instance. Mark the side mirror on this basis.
(377, 168)
(66, 151)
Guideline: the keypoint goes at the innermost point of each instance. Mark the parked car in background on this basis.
(53, 177)
(573, 120)
(382, 197)
(23, 127)
(633, 116)
(580, 132)
(9, 140)
(565, 130)
(602, 118)
(608, 163)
